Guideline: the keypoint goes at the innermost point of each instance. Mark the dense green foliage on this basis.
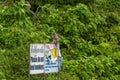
(89, 33)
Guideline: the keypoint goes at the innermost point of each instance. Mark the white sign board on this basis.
(36, 58)
(44, 58)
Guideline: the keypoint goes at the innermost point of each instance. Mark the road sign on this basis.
(36, 58)
(44, 58)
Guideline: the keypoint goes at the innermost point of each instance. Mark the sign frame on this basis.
(59, 58)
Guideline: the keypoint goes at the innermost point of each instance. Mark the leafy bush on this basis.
(89, 41)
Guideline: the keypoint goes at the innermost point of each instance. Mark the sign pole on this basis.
(44, 76)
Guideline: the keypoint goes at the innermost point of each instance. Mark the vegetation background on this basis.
(89, 33)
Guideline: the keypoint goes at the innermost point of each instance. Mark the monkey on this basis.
(54, 38)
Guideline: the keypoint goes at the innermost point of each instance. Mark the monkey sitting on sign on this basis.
(54, 38)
